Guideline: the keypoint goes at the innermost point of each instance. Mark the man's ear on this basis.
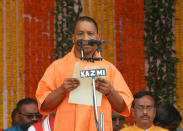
(154, 112)
(98, 36)
(132, 109)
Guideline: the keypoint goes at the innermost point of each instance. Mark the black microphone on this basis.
(79, 42)
(98, 42)
(92, 42)
(102, 41)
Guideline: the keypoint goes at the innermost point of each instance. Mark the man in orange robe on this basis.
(58, 81)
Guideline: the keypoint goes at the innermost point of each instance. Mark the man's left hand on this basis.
(103, 86)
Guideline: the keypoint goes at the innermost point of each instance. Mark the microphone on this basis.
(79, 42)
(94, 73)
(98, 42)
(91, 42)
(103, 41)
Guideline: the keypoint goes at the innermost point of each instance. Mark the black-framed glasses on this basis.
(31, 116)
(142, 108)
(119, 118)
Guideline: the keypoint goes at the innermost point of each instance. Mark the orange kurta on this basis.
(75, 117)
(135, 128)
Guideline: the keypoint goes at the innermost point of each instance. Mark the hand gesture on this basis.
(69, 84)
(103, 86)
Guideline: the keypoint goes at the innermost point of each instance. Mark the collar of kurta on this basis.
(140, 129)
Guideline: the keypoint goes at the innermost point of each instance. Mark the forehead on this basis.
(145, 100)
(85, 26)
(29, 108)
(116, 115)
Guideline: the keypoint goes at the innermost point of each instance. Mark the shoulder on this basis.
(179, 129)
(110, 65)
(107, 62)
(67, 58)
(36, 126)
(157, 128)
(127, 129)
(59, 63)
(13, 128)
(31, 128)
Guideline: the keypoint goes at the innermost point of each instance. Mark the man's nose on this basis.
(145, 111)
(86, 37)
(34, 118)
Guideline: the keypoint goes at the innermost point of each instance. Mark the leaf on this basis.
(159, 52)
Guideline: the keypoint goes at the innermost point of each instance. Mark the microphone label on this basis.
(92, 73)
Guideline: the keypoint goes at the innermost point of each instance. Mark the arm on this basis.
(116, 101)
(56, 97)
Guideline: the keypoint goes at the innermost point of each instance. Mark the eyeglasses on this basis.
(119, 118)
(31, 116)
(142, 108)
(90, 34)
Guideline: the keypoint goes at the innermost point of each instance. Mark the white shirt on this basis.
(45, 125)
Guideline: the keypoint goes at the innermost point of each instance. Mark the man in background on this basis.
(28, 114)
(14, 117)
(46, 124)
(143, 111)
(167, 116)
(117, 121)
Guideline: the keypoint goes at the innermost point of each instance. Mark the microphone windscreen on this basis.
(92, 42)
(103, 42)
(79, 42)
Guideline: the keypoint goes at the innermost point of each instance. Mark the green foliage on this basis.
(66, 14)
(160, 55)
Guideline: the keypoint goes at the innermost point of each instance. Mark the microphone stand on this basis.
(95, 109)
(92, 59)
(95, 104)
(80, 43)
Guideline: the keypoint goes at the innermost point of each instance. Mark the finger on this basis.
(105, 85)
(100, 79)
(101, 89)
(76, 82)
(69, 86)
(75, 85)
(74, 79)
(71, 81)
(72, 84)
(68, 81)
